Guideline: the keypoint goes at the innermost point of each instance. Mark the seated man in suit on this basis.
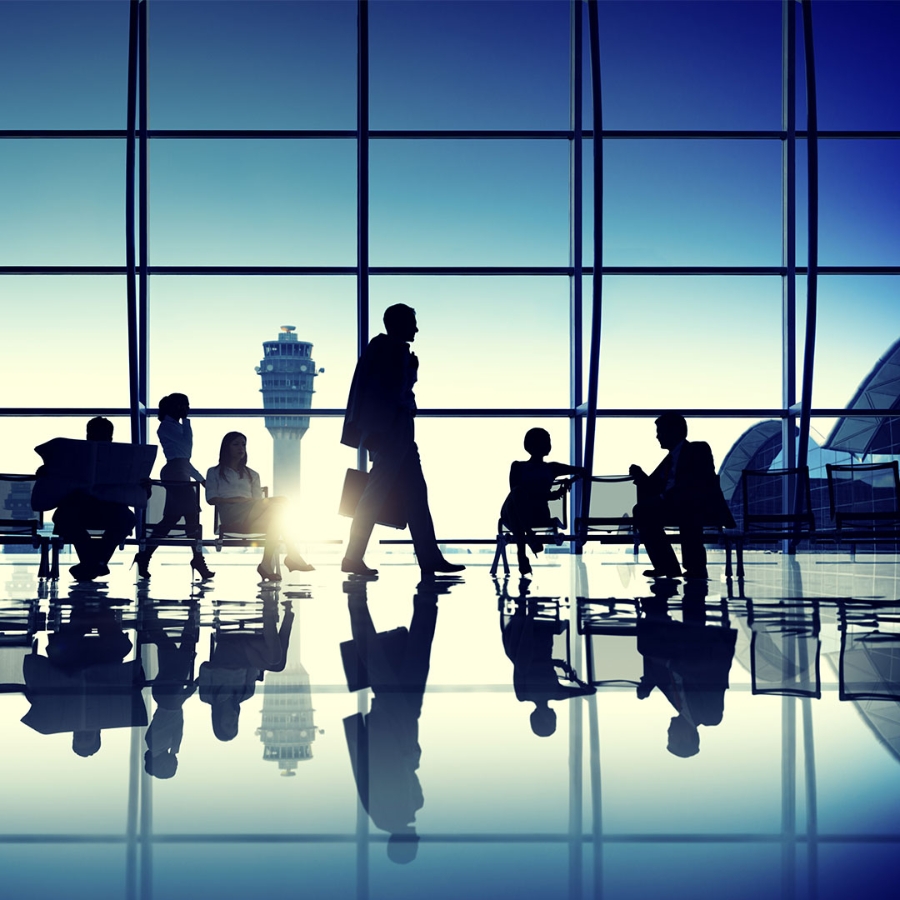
(81, 510)
(682, 490)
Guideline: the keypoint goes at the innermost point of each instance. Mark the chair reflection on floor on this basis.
(610, 630)
(869, 658)
(84, 684)
(19, 623)
(240, 656)
(610, 625)
(784, 647)
(536, 640)
(868, 667)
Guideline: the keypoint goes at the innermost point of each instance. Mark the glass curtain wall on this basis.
(182, 179)
(179, 180)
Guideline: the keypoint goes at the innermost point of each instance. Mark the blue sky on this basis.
(484, 342)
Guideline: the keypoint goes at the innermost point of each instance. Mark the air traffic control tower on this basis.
(287, 371)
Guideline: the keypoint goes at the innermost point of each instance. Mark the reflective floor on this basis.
(582, 734)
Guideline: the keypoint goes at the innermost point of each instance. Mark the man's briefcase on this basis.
(391, 513)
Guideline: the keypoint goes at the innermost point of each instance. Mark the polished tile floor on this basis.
(170, 741)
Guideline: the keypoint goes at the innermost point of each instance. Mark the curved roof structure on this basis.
(880, 390)
(744, 449)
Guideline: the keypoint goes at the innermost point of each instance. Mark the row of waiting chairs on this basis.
(24, 526)
(864, 503)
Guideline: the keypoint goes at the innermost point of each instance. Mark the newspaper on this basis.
(104, 469)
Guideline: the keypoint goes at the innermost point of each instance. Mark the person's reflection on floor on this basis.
(173, 684)
(83, 685)
(688, 661)
(528, 642)
(384, 745)
(239, 660)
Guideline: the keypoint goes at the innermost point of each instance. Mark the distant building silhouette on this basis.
(287, 371)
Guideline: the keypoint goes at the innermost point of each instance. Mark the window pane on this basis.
(257, 203)
(236, 315)
(63, 64)
(322, 462)
(65, 341)
(252, 64)
(621, 442)
(444, 65)
(484, 449)
(857, 50)
(689, 65)
(466, 203)
(859, 185)
(849, 346)
(63, 202)
(682, 203)
(207, 335)
(484, 342)
(704, 341)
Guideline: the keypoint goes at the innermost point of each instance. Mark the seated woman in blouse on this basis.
(233, 488)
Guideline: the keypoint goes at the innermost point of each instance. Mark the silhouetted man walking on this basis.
(380, 417)
(682, 490)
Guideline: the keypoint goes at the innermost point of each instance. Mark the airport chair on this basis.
(20, 524)
(609, 519)
(864, 500)
(554, 533)
(181, 534)
(237, 538)
(763, 493)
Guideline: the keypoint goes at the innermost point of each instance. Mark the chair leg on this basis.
(497, 553)
(728, 570)
(740, 558)
(44, 567)
(54, 558)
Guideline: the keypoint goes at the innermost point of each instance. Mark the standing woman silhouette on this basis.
(177, 440)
